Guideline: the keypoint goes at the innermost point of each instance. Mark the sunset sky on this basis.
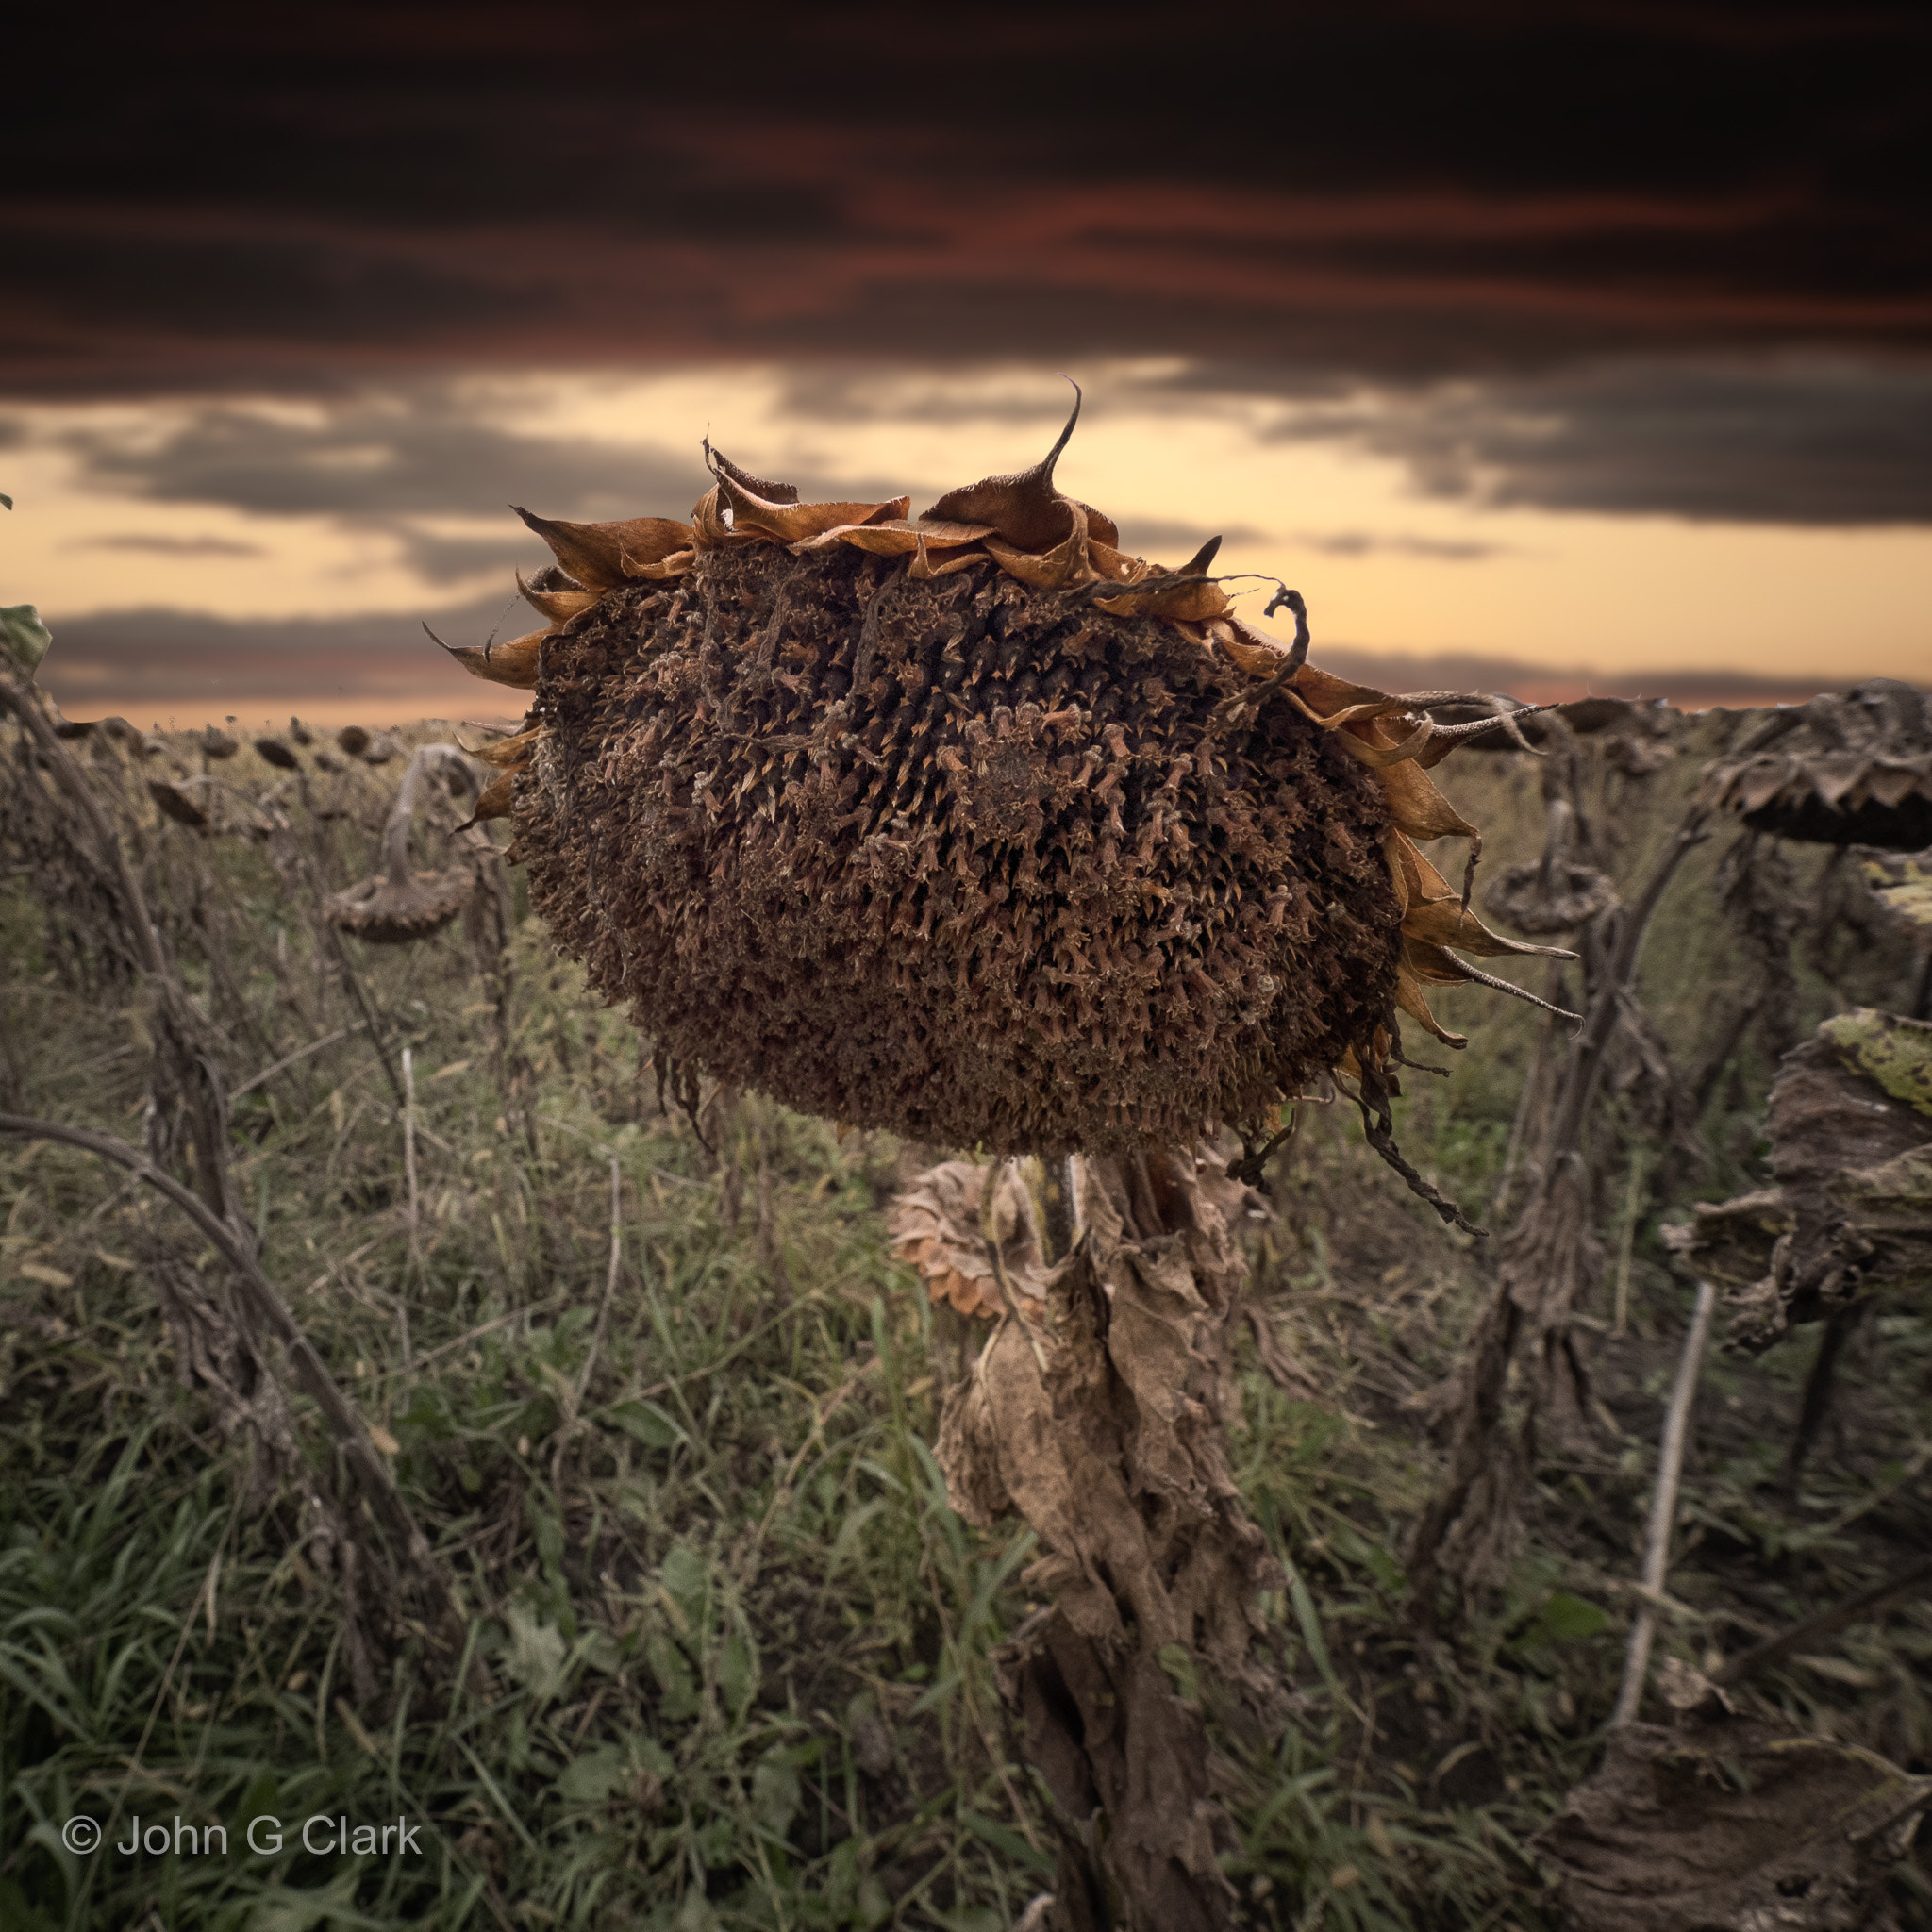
(1543, 347)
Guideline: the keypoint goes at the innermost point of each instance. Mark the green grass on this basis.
(728, 1647)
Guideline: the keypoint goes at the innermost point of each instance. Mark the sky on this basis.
(1544, 347)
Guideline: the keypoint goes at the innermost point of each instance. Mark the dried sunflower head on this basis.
(970, 825)
(398, 904)
(1852, 768)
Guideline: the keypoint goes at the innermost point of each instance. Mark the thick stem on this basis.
(1101, 1424)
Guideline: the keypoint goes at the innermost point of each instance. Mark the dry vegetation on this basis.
(715, 1649)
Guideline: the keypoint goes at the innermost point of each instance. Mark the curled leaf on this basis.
(722, 466)
(601, 555)
(796, 523)
(507, 753)
(494, 802)
(514, 662)
(558, 605)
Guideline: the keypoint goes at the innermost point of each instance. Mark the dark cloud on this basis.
(1402, 189)
(1812, 441)
(384, 455)
(169, 546)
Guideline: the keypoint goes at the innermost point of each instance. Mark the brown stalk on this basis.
(1663, 1508)
(1542, 1262)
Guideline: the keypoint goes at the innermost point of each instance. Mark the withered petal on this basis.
(595, 554)
(559, 607)
(717, 462)
(494, 802)
(513, 662)
(508, 753)
(794, 522)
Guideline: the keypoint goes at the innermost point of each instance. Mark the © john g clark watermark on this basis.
(321, 1836)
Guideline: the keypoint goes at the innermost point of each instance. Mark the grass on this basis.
(726, 1647)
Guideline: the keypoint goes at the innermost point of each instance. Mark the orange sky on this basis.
(104, 525)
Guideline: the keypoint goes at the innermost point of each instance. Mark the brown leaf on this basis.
(1433, 913)
(794, 522)
(896, 537)
(936, 1224)
(756, 485)
(709, 529)
(558, 607)
(602, 556)
(514, 662)
(672, 566)
(1730, 1823)
(495, 801)
(923, 567)
(1053, 569)
(509, 753)
(1177, 600)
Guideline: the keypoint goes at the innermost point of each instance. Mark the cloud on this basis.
(1419, 188)
(168, 546)
(395, 454)
(1362, 544)
(1814, 440)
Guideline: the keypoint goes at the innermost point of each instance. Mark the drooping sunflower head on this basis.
(970, 825)
(1849, 768)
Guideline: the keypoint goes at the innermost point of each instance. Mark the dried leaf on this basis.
(514, 662)
(558, 607)
(507, 753)
(755, 486)
(896, 537)
(1178, 600)
(1731, 1825)
(495, 801)
(601, 555)
(794, 521)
